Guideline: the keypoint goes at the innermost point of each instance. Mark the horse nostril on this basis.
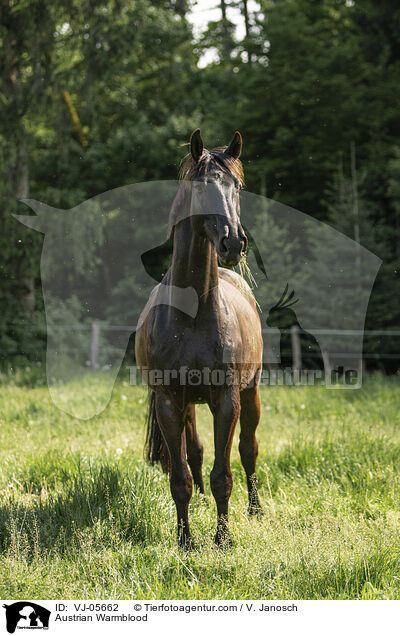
(223, 246)
(244, 245)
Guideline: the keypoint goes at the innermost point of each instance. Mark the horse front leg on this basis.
(226, 414)
(248, 446)
(171, 422)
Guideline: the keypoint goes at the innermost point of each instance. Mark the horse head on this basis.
(215, 178)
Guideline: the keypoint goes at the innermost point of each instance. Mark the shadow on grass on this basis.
(111, 505)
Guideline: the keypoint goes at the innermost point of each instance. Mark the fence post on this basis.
(296, 348)
(327, 366)
(94, 345)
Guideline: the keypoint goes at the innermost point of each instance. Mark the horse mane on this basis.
(189, 169)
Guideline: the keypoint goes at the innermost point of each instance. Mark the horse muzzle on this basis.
(231, 251)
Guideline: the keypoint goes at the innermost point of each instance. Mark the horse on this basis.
(206, 345)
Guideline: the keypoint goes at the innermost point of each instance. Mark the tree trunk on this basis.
(354, 183)
(18, 175)
(26, 282)
(226, 45)
(247, 29)
(181, 7)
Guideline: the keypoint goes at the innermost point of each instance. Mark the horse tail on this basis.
(156, 448)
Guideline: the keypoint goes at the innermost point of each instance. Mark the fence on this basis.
(294, 331)
(97, 328)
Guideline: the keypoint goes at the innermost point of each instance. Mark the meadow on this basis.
(83, 516)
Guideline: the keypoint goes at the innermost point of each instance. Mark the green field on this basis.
(83, 516)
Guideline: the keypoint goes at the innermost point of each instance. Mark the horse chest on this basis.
(182, 346)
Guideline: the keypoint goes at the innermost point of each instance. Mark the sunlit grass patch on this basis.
(83, 516)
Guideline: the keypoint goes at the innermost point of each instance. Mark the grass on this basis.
(83, 516)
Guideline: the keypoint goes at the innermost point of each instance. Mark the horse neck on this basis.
(194, 263)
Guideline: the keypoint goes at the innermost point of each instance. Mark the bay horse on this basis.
(205, 228)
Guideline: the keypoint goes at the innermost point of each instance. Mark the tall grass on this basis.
(83, 516)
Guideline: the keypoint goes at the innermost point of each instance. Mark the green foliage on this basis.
(98, 95)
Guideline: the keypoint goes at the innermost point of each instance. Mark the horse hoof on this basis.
(223, 541)
(186, 543)
(256, 511)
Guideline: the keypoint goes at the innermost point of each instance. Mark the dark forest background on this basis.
(95, 95)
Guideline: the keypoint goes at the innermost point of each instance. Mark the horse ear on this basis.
(196, 144)
(235, 147)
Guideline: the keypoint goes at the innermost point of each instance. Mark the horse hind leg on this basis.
(194, 449)
(248, 446)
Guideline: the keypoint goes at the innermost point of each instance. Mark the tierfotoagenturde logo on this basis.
(312, 285)
(26, 615)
